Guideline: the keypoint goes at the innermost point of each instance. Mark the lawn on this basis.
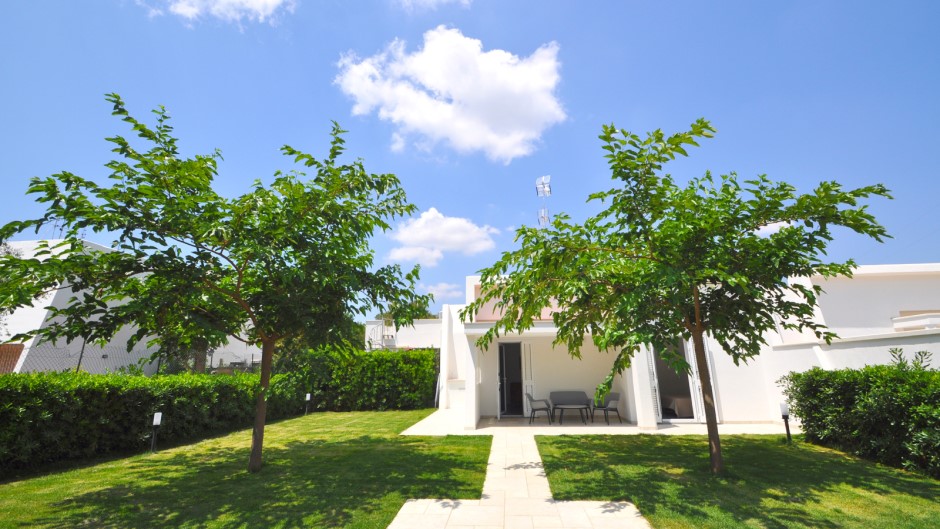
(767, 483)
(322, 470)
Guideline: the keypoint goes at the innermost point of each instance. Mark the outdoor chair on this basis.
(539, 405)
(610, 405)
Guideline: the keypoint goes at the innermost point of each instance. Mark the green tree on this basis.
(663, 262)
(345, 332)
(419, 310)
(5, 249)
(263, 267)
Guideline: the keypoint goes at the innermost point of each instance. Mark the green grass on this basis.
(322, 470)
(767, 483)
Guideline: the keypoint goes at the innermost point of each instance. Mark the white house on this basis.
(422, 334)
(35, 354)
(879, 308)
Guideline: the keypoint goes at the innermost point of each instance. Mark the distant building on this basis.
(37, 355)
(422, 334)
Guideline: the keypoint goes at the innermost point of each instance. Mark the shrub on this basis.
(49, 417)
(888, 413)
(53, 416)
(344, 379)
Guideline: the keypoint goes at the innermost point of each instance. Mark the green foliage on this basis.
(888, 413)
(54, 416)
(348, 333)
(346, 379)
(48, 417)
(326, 470)
(770, 484)
(5, 249)
(279, 260)
(403, 313)
(665, 260)
(191, 266)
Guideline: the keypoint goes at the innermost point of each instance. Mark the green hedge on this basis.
(343, 379)
(54, 416)
(888, 413)
(46, 417)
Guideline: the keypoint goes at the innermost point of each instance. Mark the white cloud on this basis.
(425, 239)
(227, 10)
(770, 229)
(453, 91)
(443, 291)
(412, 5)
(398, 142)
(151, 10)
(425, 256)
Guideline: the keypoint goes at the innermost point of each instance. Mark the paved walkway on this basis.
(516, 492)
(516, 496)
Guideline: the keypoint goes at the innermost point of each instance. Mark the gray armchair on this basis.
(610, 405)
(537, 405)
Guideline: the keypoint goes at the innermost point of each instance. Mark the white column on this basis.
(643, 391)
(472, 392)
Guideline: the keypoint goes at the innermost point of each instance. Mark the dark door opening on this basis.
(510, 379)
(675, 389)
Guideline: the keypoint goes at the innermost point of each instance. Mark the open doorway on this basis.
(510, 379)
(675, 390)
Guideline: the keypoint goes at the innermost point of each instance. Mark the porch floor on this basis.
(447, 422)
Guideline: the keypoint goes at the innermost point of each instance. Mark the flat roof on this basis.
(896, 269)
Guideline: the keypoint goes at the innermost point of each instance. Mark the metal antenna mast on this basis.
(543, 189)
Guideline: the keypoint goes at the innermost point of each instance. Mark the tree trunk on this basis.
(708, 398)
(199, 363)
(261, 406)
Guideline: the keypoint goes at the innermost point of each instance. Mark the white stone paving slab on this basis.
(516, 495)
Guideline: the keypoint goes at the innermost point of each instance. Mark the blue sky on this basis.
(469, 101)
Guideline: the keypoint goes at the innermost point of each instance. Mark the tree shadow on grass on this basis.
(317, 483)
(765, 480)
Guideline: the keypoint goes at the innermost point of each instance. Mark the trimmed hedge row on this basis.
(54, 416)
(887, 413)
(342, 379)
(46, 417)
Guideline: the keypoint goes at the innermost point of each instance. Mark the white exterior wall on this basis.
(459, 390)
(552, 370)
(862, 310)
(850, 353)
(235, 351)
(641, 406)
(750, 392)
(866, 303)
(60, 355)
(26, 318)
(421, 334)
(741, 391)
(63, 356)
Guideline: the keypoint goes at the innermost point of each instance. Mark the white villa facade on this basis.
(35, 354)
(880, 307)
